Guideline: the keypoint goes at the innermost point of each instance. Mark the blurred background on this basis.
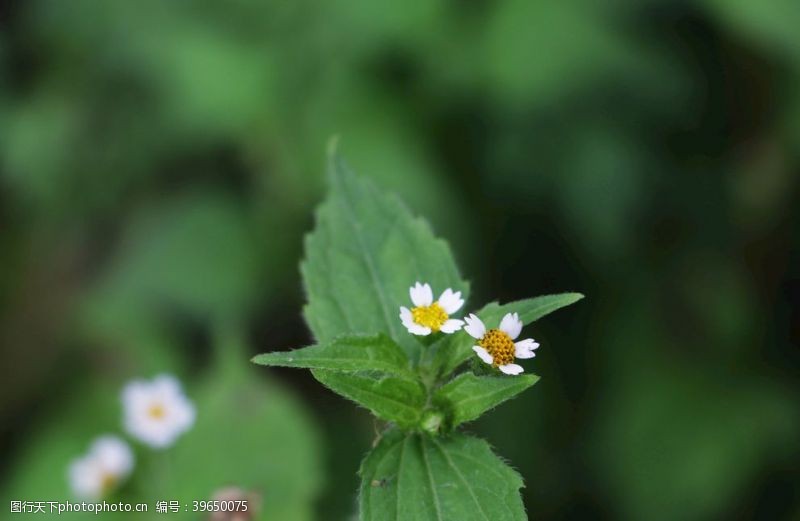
(159, 163)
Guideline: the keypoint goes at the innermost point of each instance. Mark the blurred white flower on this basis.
(428, 316)
(156, 412)
(496, 347)
(107, 464)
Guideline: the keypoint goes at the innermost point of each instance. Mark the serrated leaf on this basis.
(364, 254)
(349, 353)
(529, 309)
(468, 396)
(422, 478)
(392, 398)
(453, 350)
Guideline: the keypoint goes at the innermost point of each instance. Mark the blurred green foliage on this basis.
(158, 166)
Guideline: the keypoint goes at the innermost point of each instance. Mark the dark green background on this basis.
(159, 163)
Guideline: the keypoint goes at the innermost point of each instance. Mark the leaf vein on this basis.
(370, 264)
(430, 479)
(461, 477)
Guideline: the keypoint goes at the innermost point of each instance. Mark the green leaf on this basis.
(421, 478)
(468, 396)
(349, 353)
(395, 399)
(453, 350)
(364, 254)
(529, 309)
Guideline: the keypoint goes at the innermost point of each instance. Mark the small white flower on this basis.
(157, 412)
(428, 316)
(108, 463)
(496, 347)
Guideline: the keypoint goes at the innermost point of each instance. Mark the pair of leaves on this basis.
(395, 394)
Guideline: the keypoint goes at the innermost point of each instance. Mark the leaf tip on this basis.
(576, 296)
(531, 378)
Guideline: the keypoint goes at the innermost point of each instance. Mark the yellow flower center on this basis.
(432, 316)
(499, 345)
(156, 411)
(107, 482)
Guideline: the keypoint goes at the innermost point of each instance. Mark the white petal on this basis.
(421, 294)
(451, 302)
(86, 478)
(406, 317)
(414, 293)
(426, 295)
(413, 327)
(474, 327)
(483, 354)
(451, 326)
(511, 369)
(525, 348)
(134, 393)
(511, 325)
(114, 455)
(183, 414)
(416, 329)
(166, 385)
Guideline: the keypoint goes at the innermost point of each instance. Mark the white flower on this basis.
(497, 347)
(156, 412)
(428, 316)
(108, 462)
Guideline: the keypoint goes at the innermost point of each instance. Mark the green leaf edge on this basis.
(515, 384)
(286, 358)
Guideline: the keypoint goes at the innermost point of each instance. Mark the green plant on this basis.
(366, 250)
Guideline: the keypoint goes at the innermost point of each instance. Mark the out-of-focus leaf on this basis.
(419, 478)
(395, 399)
(235, 75)
(680, 441)
(251, 436)
(529, 60)
(44, 122)
(195, 253)
(348, 353)
(371, 24)
(40, 467)
(366, 251)
(468, 396)
(452, 351)
(705, 438)
(274, 453)
(601, 184)
(773, 23)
